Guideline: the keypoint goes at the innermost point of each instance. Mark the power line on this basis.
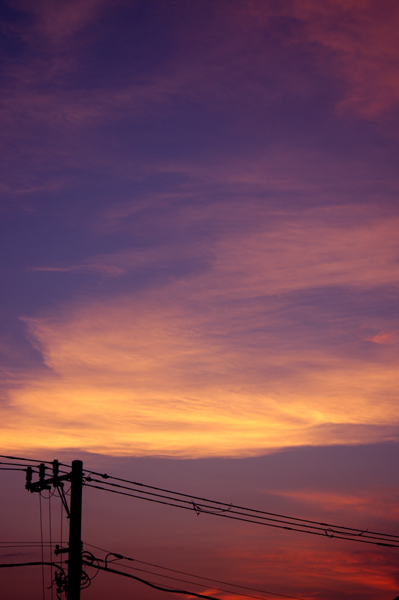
(23, 544)
(232, 511)
(48, 462)
(253, 515)
(237, 516)
(11, 469)
(227, 507)
(208, 579)
(149, 583)
(31, 564)
(167, 497)
(195, 583)
(202, 585)
(76, 578)
(23, 467)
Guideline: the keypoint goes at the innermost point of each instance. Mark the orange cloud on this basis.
(208, 365)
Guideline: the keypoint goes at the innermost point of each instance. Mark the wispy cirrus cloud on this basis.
(128, 261)
(236, 64)
(360, 37)
(354, 40)
(236, 359)
(342, 30)
(56, 22)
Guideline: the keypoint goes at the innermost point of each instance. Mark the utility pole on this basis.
(75, 532)
(72, 584)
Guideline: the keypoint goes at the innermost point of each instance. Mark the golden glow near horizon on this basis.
(218, 364)
(199, 219)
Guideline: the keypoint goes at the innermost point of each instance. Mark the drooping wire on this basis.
(61, 494)
(60, 576)
(49, 462)
(24, 466)
(237, 516)
(237, 512)
(200, 584)
(288, 522)
(149, 583)
(203, 585)
(94, 562)
(163, 588)
(208, 579)
(260, 514)
(50, 493)
(42, 546)
(11, 469)
(29, 564)
(23, 544)
(242, 587)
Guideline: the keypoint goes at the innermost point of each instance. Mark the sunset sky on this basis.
(200, 265)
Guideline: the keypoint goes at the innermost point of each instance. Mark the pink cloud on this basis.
(384, 338)
(202, 365)
(361, 38)
(380, 503)
(355, 40)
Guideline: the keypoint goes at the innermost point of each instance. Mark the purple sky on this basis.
(200, 247)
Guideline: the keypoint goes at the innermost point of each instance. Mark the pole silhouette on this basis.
(75, 532)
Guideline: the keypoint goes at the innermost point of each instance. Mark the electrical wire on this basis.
(208, 579)
(48, 462)
(23, 544)
(151, 584)
(64, 503)
(236, 516)
(192, 503)
(325, 528)
(227, 507)
(202, 585)
(11, 469)
(58, 577)
(13, 464)
(50, 494)
(236, 512)
(38, 462)
(30, 564)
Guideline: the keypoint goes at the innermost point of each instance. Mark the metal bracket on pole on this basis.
(74, 513)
